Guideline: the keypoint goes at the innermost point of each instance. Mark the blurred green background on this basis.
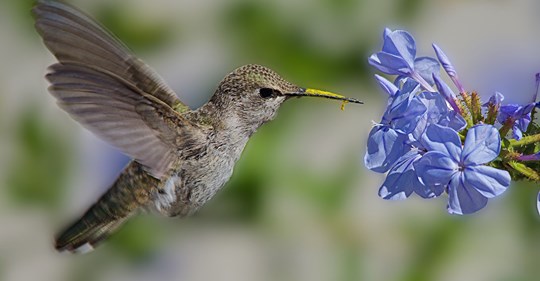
(301, 205)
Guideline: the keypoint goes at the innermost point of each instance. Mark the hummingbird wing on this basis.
(102, 85)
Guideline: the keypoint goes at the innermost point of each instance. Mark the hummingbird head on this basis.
(251, 95)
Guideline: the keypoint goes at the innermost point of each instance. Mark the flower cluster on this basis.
(432, 141)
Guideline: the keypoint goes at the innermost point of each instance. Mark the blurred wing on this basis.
(73, 37)
(112, 93)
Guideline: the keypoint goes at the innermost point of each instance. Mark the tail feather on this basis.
(130, 192)
(86, 233)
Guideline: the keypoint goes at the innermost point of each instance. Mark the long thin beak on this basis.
(303, 92)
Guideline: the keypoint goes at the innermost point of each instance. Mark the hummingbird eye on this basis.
(266, 93)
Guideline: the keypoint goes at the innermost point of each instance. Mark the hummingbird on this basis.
(180, 156)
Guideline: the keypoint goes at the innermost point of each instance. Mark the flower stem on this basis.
(456, 81)
(510, 155)
(503, 131)
(532, 114)
(493, 111)
(523, 141)
(524, 170)
(422, 82)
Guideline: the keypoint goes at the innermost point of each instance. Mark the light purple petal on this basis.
(520, 115)
(527, 109)
(386, 85)
(400, 43)
(401, 180)
(427, 67)
(447, 93)
(406, 84)
(516, 132)
(436, 169)
(445, 62)
(482, 144)
(386, 33)
(523, 123)
(436, 106)
(445, 90)
(490, 182)
(462, 198)
(529, 157)
(495, 99)
(384, 147)
(524, 115)
(419, 131)
(401, 80)
(399, 106)
(442, 139)
(436, 111)
(407, 122)
(508, 111)
(390, 64)
(455, 121)
(403, 113)
(448, 67)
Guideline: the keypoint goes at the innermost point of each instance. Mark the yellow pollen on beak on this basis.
(343, 103)
(315, 92)
(330, 95)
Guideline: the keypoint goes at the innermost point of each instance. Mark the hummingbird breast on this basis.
(199, 177)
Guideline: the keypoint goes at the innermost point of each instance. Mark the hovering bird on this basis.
(181, 157)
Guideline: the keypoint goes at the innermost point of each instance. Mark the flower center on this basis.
(461, 167)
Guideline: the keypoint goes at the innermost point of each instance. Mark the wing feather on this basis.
(111, 92)
(74, 37)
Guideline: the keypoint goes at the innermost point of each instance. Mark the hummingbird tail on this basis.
(85, 234)
(126, 196)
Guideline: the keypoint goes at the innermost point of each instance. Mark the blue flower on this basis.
(387, 141)
(459, 169)
(437, 112)
(519, 115)
(398, 57)
(402, 180)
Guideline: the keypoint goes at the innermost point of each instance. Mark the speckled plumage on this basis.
(181, 157)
